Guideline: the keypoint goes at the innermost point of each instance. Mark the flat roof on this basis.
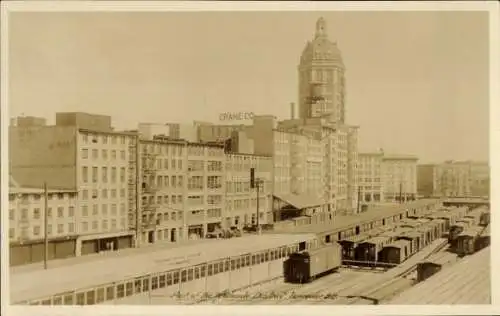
(346, 221)
(466, 282)
(300, 201)
(36, 284)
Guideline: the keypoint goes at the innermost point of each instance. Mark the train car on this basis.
(368, 250)
(396, 252)
(433, 264)
(306, 266)
(484, 219)
(416, 239)
(442, 228)
(349, 245)
(483, 240)
(466, 241)
(453, 233)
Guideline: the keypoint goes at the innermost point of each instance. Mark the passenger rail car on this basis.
(114, 278)
(379, 218)
(397, 252)
(306, 266)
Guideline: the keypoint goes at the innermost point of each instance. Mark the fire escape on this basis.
(132, 185)
(148, 190)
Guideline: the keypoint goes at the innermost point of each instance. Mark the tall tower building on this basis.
(321, 78)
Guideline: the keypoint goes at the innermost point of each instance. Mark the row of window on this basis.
(166, 149)
(104, 139)
(105, 154)
(163, 199)
(102, 209)
(96, 194)
(158, 163)
(37, 213)
(104, 225)
(107, 174)
(37, 231)
(26, 197)
(164, 279)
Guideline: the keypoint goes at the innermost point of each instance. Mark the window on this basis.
(104, 193)
(113, 174)
(60, 228)
(113, 193)
(95, 209)
(113, 209)
(60, 212)
(36, 213)
(105, 224)
(113, 154)
(36, 230)
(104, 154)
(85, 226)
(94, 174)
(113, 223)
(85, 174)
(122, 154)
(122, 209)
(95, 154)
(71, 211)
(94, 225)
(11, 214)
(104, 173)
(71, 228)
(85, 153)
(122, 192)
(122, 174)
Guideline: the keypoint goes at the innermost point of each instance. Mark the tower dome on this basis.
(321, 48)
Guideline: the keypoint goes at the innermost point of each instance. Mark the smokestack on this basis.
(292, 109)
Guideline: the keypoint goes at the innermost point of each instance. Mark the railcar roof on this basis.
(28, 285)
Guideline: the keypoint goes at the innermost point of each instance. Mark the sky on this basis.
(417, 82)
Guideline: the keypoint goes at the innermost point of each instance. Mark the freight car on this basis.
(455, 230)
(368, 250)
(304, 267)
(483, 240)
(433, 264)
(397, 252)
(349, 245)
(484, 219)
(466, 241)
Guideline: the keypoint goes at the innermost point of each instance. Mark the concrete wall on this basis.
(43, 153)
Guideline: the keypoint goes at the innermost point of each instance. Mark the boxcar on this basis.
(483, 240)
(416, 239)
(368, 250)
(455, 230)
(396, 252)
(466, 241)
(349, 245)
(433, 264)
(484, 219)
(306, 266)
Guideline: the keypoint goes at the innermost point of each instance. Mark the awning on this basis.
(300, 201)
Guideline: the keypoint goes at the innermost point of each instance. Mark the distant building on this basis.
(454, 178)
(370, 180)
(240, 199)
(80, 153)
(26, 223)
(399, 174)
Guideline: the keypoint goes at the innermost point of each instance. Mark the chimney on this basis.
(292, 110)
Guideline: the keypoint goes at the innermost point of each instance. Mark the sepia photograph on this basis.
(243, 157)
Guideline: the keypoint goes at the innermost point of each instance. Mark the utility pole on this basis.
(400, 192)
(138, 186)
(45, 225)
(255, 183)
(359, 198)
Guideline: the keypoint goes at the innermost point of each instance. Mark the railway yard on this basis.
(372, 258)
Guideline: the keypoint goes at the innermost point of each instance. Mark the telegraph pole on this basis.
(400, 192)
(45, 226)
(255, 183)
(359, 198)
